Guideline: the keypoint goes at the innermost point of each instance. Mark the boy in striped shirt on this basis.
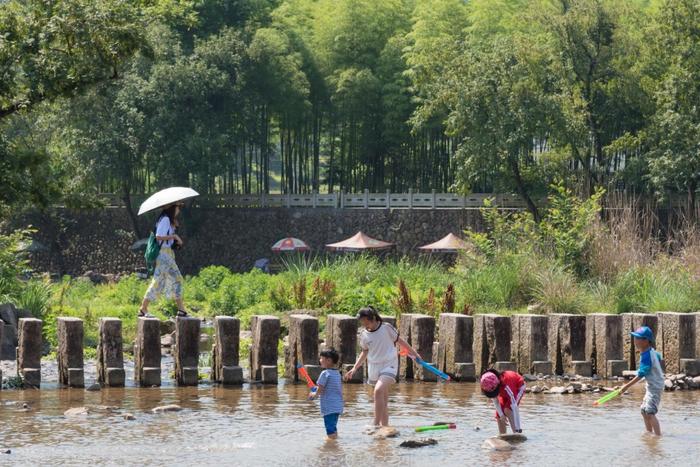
(330, 391)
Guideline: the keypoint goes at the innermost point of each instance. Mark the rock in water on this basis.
(93, 387)
(418, 443)
(386, 432)
(513, 438)
(76, 412)
(7, 451)
(167, 408)
(128, 416)
(496, 444)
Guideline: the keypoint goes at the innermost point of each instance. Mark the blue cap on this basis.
(644, 332)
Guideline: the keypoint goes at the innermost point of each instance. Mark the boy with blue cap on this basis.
(651, 369)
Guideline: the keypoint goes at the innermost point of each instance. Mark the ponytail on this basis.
(370, 313)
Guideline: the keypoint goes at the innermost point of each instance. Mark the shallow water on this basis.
(278, 426)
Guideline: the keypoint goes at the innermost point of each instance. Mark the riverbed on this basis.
(256, 425)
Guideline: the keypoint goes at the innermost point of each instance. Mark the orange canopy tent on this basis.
(448, 244)
(359, 242)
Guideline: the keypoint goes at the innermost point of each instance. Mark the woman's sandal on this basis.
(143, 314)
(182, 314)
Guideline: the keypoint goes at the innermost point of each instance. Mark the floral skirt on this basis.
(167, 280)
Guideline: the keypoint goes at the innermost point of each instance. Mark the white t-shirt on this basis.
(380, 344)
(163, 229)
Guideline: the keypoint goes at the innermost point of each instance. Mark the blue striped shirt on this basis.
(332, 396)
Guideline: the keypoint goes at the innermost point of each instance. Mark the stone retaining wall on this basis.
(100, 240)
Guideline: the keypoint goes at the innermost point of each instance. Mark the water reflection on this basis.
(277, 425)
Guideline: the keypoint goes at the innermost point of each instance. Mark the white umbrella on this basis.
(166, 197)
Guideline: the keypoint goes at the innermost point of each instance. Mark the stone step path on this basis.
(463, 346)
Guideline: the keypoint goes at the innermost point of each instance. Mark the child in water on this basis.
(330, 392)
(378, 342)
(506, 389)
(651, 370)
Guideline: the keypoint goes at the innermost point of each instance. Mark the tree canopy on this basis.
(258, 96)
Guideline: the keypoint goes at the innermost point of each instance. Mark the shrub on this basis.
(558, 292)
(35, 297)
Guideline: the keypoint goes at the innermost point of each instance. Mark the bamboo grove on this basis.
(252, 96)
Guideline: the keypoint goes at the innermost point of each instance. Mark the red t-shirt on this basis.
(514, 382)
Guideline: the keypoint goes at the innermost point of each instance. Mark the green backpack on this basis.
(152, 251)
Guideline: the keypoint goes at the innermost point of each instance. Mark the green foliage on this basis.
(13, 263)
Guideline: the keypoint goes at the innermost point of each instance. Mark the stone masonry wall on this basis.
(100, 240)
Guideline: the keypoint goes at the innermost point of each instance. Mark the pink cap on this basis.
(489, 382)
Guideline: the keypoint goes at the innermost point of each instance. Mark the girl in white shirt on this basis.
(167, 280)
(378, 342)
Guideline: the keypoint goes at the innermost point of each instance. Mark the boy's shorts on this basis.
(331, 422)
(650, 404)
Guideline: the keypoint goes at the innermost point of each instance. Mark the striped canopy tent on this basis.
(450, 243)
(290, 244)
(359, 242)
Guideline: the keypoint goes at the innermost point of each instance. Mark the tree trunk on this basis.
(522, 191)
(126, 197)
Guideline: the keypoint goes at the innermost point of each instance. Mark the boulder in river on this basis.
(386, 432)
(513, 437)
(557, 390)
(93, 387)
(496, 444)
(76, 412)
(418, 443)
(167, 408)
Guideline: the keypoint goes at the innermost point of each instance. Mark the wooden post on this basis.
(29, 351)
(186, 351)
(263, 354)
(224, 366)
(110, 357)
(147, 352)
(70, 352)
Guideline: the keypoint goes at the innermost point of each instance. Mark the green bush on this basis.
(35, 297)
(557, 291)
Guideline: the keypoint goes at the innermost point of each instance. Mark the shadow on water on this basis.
(263, 425)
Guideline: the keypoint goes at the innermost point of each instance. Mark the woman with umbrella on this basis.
(167, 280)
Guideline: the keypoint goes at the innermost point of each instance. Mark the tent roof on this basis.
(359, 241)
(448, 243)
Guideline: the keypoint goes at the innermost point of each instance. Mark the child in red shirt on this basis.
(506, 389)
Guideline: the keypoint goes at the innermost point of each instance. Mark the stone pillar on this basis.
(676, 339)
(263, 354)
(530, 342)
(631, 322)
(147, 352)
(110, 357)
(29, 352)
(604, 344)
(492, 341)
(419, 331)
(186, 351)
(302, 347)
(224, 363)
(341, 335)
(567, 344)
(455, 354)
(70, 352)
(2, 330)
